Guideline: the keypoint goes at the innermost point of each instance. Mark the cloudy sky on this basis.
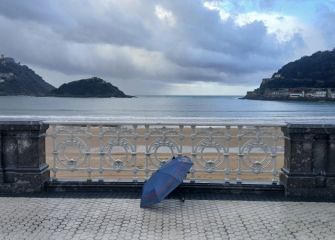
(205, 47)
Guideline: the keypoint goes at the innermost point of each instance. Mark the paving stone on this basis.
(99, 216)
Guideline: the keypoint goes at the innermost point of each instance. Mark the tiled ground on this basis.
(90, 216)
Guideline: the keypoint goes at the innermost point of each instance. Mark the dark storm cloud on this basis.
(150, 40)
(81, 20)
(33, 10)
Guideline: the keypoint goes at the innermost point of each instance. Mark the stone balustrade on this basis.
(308, 171)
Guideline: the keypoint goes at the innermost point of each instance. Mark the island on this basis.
(90, 87)
(310, 78)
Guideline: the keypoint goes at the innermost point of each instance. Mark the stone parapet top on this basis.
(22, 126)
(316, 129)
(310, 125)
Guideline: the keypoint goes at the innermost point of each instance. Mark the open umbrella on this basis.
(165, 180)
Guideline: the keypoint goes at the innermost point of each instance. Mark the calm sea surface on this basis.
(227, 107)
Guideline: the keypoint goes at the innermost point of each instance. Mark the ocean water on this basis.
(165, 107)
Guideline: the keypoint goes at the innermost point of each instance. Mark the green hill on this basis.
(315, 71)
(310, 78)
(91, 87)
(17, 79)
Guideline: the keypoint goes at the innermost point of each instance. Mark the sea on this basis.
(165, 108)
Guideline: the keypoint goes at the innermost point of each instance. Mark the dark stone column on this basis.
(1, 169)
(331, 162)
(23, 156)
(320, 152)
(309, 162)
(331, 155)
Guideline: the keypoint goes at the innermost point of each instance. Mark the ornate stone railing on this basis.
(302, 155)
(228, 153)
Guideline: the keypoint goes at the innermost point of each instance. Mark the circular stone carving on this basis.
(72, 152)
(118, 153)
(261, 162)
(212, 164)
(156, 148)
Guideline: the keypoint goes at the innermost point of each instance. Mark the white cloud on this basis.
(283, 26)
(165, 15)
(142, 44)
(214, 5)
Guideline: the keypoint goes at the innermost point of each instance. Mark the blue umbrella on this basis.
(165, 180)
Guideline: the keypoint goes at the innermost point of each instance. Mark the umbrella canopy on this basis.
(165, 180)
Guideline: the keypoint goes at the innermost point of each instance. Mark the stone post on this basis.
(1, 169)
(309, 164)
(22, 156)
(331, 161)
(331, 155)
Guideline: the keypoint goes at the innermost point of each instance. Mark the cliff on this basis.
(17, 79)
(91, 87)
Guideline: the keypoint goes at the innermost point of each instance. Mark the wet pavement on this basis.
(118, 216)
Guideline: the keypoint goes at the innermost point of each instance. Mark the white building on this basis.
(4, 60)
(297, 94)
(319, 94)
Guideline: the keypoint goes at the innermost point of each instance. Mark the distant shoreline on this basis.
(300, 99)
(65, 96)
(288, 99)
(130, 96)
(73, 96)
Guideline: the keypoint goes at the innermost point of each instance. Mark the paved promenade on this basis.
(118, 216)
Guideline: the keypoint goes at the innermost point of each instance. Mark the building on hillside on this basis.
(296, 93)
(331, 93)
(276, 93)
(309, 92)
(4, 60)
(319, 94)
(316, 93)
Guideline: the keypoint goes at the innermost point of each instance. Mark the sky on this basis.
(169, 47)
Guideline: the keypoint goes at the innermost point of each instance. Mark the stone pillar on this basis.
(331, 161)
(23, 156)
(331, 155)
(1, 168)
(309, 164)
